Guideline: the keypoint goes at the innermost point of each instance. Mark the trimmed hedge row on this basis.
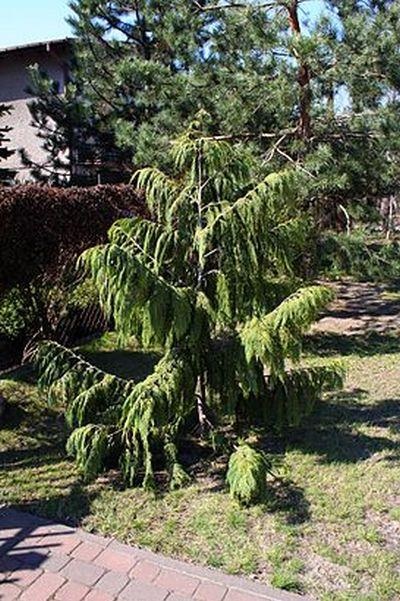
(44, 229)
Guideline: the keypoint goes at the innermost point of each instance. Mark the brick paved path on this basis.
(42, 560)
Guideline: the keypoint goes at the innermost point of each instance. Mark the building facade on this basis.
(53, 58)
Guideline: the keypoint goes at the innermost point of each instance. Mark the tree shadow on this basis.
(131, 365)
(69, 507)
(282, 496)
(288, 499)
(364, 345)
(25, 374)
(334, 432)
(39, 430)
(30, 458)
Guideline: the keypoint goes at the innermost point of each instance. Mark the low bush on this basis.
(42, 232)
(44, 229)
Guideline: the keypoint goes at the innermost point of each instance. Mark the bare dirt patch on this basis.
(361, 308)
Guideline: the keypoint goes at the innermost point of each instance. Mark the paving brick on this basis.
(177, 582)
(112, 583)
(24, 578)
(10, 534)
(73, 561)
(146, 571)
(89, 537)
(72, 591)
(29, 542)
(117, 562)
(96, 595)
(87, 551)
(210, 591)
(125, 549)
(29, 548)
(55, 563)
(61, 543)
(43, 588)
(8, 591)
(53, 529)
(241, 595)
(142, 591)
(83, 572)
(18, 519)
(39, 532)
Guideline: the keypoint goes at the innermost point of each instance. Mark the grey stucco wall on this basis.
(14, 81)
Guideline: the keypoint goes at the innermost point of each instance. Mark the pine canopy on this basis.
(208, 277)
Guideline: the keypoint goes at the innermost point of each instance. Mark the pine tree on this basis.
(148, 67)
(321, 93)
(208, 278)
(6, 175)
(355, 83)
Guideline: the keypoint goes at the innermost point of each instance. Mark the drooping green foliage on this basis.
(276, 336)
(111, 415)
(209, 278)
(247, 474)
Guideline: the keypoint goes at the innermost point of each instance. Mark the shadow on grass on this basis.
(37, 457)
(288, 499)
(69, 508)
(131, 365)
(364, 345)
(32, 420)
(333, 433)
(336, 432)
(282, 496)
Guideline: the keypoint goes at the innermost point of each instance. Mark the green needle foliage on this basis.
(247, 474)
(209, 278)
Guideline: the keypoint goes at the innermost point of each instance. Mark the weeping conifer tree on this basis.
(208, 278)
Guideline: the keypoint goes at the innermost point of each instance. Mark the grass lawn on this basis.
(332, 530)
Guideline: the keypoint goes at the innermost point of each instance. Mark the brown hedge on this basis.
(44, 229)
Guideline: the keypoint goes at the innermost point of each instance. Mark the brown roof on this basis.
(46, 45)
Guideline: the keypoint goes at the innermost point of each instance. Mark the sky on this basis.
(26, 21)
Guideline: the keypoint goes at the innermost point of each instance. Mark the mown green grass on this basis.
(331, 528)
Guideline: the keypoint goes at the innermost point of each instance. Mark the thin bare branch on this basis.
(235, 5)
(250, 136)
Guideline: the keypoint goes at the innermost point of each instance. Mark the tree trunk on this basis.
(303, 75)
(204, 423)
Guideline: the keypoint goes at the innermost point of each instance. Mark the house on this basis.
(53, 58)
